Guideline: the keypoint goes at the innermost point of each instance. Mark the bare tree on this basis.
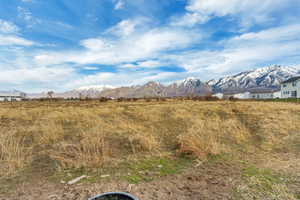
(50, 94)
(80, 96)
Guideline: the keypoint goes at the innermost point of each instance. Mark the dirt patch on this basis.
(207, 183)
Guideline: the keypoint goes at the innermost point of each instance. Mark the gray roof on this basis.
(291, 79)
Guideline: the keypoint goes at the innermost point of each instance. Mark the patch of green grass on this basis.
(266, 177)
(149, 169)
(223, 157)
(68, 174)
(132, 171)
(263, 184)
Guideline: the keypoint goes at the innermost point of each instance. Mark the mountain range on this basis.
(259, 79)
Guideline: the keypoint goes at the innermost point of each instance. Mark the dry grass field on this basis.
(237, 150)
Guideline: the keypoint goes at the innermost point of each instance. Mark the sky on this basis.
(61, 45)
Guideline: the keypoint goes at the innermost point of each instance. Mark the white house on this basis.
(277, 94)
(218, 95)
(264, 94)
(243, 95)
(259, 94)
(291, 88)
(14, 96)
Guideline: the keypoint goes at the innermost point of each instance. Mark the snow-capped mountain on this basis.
(92, 91)
(262, 78)
(188, 86)
(98, 88)
(258, 79)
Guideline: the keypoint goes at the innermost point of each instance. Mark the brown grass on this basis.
(13, 153)
(90, 134)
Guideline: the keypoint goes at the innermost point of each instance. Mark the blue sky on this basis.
(65, 44)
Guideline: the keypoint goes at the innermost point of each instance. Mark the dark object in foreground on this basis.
(114, 196)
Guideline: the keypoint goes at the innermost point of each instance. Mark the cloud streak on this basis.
(248, 12)
(145, 45)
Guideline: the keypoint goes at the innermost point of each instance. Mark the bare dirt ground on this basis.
(216, 182)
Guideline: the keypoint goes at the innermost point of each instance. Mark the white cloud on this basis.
(249, 12)
(279, 34)
(9, 35)
(8, 27)
(11, 40)
(150, 64)
(90, 68)
(190, 19)
(122, 78)
(127, 27)
(119, 5)
(160, 39)
(137, 47)
(95, 44)
(38, 74)
(26, 15)
(144, 64)
(249, 50)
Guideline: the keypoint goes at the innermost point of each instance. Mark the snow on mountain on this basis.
(187, 81)
(98, 88)
(188, 86)
(262, 78)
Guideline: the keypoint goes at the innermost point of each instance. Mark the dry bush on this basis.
(48, 133)
(90, 151)
(103, 99)
(215, 135)
(143, 143)
(14, 155)
(200, 142)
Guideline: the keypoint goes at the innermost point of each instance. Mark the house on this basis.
(277, 94)
(253, 94)
(264, 94)
(243, 95)
(12, 96)
(291, 88)
(218, 95)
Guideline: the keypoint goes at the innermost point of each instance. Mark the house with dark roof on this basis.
(291, 88)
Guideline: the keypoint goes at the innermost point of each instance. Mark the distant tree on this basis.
(80, 96)
(50, 94)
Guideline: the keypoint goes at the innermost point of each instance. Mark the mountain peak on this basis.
(153, 83)
(98, 88)
(187, 81)
(266, 77)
